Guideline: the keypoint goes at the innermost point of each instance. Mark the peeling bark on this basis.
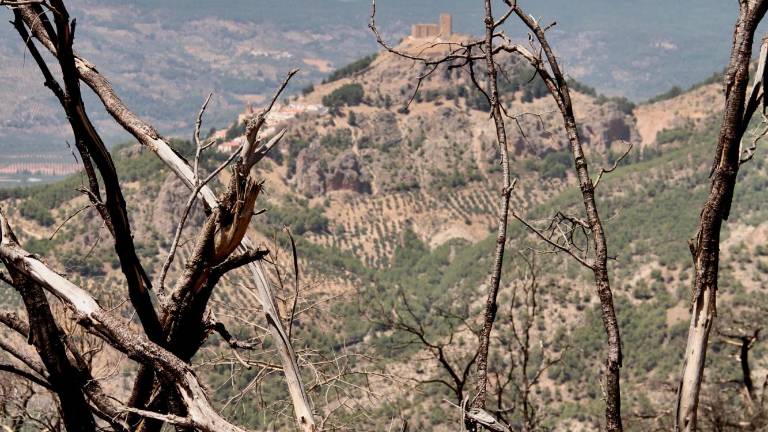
(705, 247)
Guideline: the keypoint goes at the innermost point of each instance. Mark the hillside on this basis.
(393, 207)
(378, 167)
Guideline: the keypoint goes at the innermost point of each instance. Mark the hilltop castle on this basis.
(443, 29)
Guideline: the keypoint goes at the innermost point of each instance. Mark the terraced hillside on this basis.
(376, 165)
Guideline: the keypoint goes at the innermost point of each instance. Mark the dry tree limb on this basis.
(26, 375)
(753, 100)
(460, 55)
(233, 342)
(5, 279)
(29, 361)
(604, 171)
(240, 260)
(104, 407)
(486, 419)
(185, 214)
(45, 335)
(183, 319)
(295, 256)
(492, 93)
(97, 321)
(150, 138)
(69, 218)
(550, 72)
(541, 57)
(705, 247)
(92, 150)
(459, 373)
(745, 341)
(16, 3)
(199, 148)
(521, 333)
(557, 246)
(749, 153)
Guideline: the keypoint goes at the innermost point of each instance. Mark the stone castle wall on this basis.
(425, 31)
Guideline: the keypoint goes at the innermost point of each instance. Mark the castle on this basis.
(443, 29)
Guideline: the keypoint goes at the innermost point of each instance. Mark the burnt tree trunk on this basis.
(64, 378)
(705, 247)
(558, 89)
(491, 306)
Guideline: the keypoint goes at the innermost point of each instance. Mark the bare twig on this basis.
(70, 217)
(295, 281)
(613, 168)
(200, 147)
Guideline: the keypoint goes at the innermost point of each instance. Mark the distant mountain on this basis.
(632, 48)
(164, 56)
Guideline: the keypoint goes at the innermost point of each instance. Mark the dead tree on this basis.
(541, 57)
(492, 92)
(738, 403)
(745, 341)
(514, 379)
(705, 247)
(525, 376)
(166, 389)
(454, 367)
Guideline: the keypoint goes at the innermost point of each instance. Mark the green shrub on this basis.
(90, 265)
(667, 136)
(299, 217)
(623, 104)
(351, 69)
(477, 100)
(307, 90)
(581, 87)
(552, 165)
(348, 94)
(339, 139)
(675, 91)
(37, 211)
(669, 94)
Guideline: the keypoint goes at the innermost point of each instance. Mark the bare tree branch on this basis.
(149, 137)
(100, 323)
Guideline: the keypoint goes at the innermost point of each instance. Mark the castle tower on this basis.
(446, 25)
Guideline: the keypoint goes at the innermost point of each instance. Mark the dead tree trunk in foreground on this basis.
(549, 70)
(491, 306)
(705, 247)
(66, 381)
(228, 217)
(543, 60)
